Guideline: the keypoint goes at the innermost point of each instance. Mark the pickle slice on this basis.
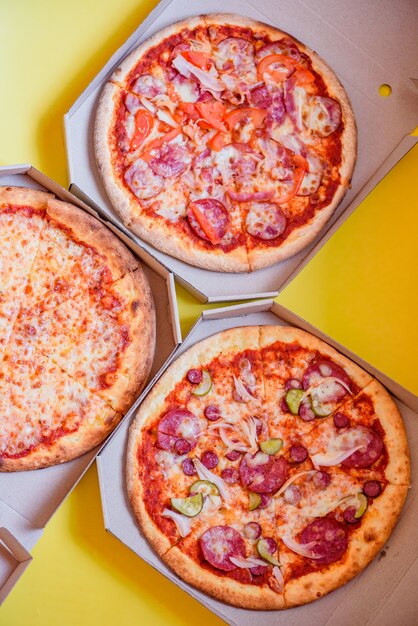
(255, 500)
(320, 410)
(263, 551)
(293, 400)
(205, 386)
(271, 446)
(363, 504)
(205, 487)
(190, 506)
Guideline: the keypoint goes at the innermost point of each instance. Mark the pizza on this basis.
(76, 330)
(265, 468)
(225, 142)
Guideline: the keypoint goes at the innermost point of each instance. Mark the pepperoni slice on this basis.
(265, 221)
(330, 539)
(237, 53)
(219, 543)
(142, 181)
(177, 424)
(260, 97)
(276, 112)
(324, 369)
(170, 161)
(283, 46)
(263, 473)
(216, 216)
(372, 450)
(148, 86)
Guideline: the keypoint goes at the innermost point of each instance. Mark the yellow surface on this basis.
(361, 289)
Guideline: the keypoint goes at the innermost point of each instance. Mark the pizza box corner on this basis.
(29, 499)
(388, 575)
(341, 33)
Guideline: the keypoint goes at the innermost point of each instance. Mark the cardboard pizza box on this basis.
(368, 44)
(29, 499)
(380, 596)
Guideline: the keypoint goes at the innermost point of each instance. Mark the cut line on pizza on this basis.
(265, 468)
(225, 142)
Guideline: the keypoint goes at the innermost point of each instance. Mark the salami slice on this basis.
(237, 53)
(312, 179)
(260, 97)
(330, 539)
(276, 112)
(329, 392)
(171, 160)
(283, 46)
(178, 424)
(215, 215)
(149, 86)
(263, 473)
(219, 543)
(142, 181)
(371, 451)
(265, 220)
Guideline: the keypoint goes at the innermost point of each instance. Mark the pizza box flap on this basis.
(14, 559)
(358, 40)
(31, 498)
(375, 594)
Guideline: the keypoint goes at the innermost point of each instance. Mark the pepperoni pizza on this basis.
(265, 468)
(76, 330)
(225, 142)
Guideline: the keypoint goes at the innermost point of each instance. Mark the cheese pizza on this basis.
(76, 330)
(265, 468)
(225, 142)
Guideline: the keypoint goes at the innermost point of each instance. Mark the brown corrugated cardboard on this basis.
(29, 499)
(359, 41)
(375, 596)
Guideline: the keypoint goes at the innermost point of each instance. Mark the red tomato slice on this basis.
(204, 224)
(218, 141)
(286, 67)
(159, 142)
(200, 59)
(144, 123)
(303, 76)
(257, 116)
(213, 112)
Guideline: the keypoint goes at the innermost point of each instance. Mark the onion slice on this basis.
(277, 573)
(333, 458)
(290, 480)
(249, 562)
(331, 506)
(183, 523)
(205, 474)
(304, 549)
(241, 390)
(208, 79)
(326, 379)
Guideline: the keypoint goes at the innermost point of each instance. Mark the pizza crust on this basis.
(33, 198)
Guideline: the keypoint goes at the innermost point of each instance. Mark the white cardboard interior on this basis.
(29, 499)
(379, 595)
(367, 43)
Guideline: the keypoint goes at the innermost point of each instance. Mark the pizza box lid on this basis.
(379, 595)
(367, 44)
(29, 499)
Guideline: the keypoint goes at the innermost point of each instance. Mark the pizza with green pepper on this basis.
(265, 468)
(225, 142)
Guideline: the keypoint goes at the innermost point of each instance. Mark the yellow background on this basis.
(361, 289)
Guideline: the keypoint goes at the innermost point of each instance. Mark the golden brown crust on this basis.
(88, 230)
(136, 360)
(178, 245)
(66, 448)
(364, 543)
(398, 467)
(222, 588)
(24, 196)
